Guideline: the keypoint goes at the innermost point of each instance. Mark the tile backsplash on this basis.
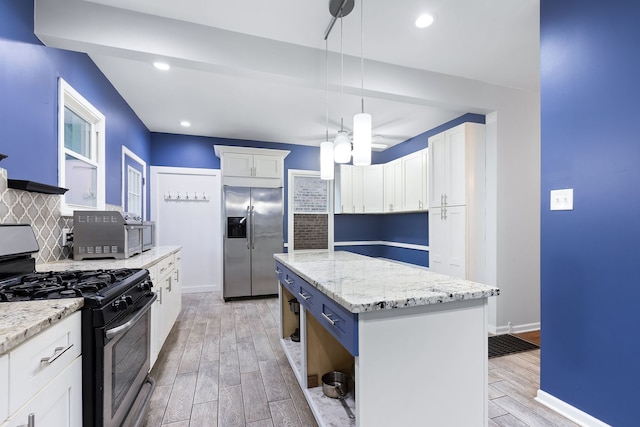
(42, 211)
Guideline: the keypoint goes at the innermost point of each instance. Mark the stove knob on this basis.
(145, 286)
(120, 304)
(128, 300)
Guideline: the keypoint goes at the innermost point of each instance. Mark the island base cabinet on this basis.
(424, 365)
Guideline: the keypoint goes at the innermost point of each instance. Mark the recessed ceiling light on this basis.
(161, 66)
(424, 20)
(185, 123)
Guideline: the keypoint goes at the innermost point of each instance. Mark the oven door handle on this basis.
(110, 333)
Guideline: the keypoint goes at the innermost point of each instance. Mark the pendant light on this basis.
(362, 121)
(341, 145)
(326, 147)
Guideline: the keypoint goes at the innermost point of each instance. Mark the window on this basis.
(134, 191)
(81, 141)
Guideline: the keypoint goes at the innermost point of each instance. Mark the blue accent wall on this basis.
(29, 74)
(590, 279)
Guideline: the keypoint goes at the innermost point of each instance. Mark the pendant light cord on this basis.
(326, 60)
(342, 77)
(361, 56)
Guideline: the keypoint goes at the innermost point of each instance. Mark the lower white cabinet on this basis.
(448, 241)
(45, 378)
(165, 275)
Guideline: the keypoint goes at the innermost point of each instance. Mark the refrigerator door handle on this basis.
(253, 237)
(249, 229)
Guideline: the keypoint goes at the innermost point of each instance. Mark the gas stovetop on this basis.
(95, 284)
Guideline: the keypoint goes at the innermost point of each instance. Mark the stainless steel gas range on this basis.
(115, 326)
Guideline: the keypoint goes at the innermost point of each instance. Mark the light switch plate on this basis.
(562, 200)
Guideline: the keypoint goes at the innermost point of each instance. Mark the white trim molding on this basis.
(568, 411)
(138, 159)
(383, 243)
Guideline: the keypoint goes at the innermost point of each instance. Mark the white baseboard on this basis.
(199, 288)
(515, 329)
(566, 410)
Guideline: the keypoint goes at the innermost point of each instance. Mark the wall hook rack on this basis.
(186, 196)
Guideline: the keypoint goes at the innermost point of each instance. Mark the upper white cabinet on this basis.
(245, 166)
(359, 189)
(414, 168)
(457, 202)
(393, 186)
(372, 188)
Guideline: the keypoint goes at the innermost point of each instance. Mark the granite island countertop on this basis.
(360, 283)
(144, 260)
(21, 320)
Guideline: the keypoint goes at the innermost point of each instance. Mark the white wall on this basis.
(196, 225)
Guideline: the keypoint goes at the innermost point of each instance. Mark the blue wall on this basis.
(590, 279)
(29, 74)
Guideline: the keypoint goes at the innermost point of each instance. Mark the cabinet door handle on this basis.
(160, 295)
(442, 200)
(169, 282)
(444, 211)
(445, 200)
(329, 319)
(59, 351)
(31, 421)
(304, 296)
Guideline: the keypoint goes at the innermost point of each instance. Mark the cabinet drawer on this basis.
(165, 265)
(342, 324)
(38, 360)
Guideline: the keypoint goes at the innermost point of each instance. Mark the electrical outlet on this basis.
(562, 200)
(64, 239)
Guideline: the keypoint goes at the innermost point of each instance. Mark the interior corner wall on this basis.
(589, 259)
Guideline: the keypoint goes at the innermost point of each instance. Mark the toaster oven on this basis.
(106, 234)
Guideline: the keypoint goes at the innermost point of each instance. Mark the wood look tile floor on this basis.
(222, 365)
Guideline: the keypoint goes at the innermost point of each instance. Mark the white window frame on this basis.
(68, 97)
(128, 153)
(292, 173)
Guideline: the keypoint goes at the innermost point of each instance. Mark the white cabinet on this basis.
(414, 168)
(359, 189)
(393, 186)
(45, 377)
(447, 241)
(372, 188)
(457, 202)
(251, 167)
(165, 276)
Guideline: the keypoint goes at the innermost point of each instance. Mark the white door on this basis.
(193, 221)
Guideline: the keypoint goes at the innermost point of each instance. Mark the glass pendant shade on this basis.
(342, 148)
(362, 139)
(326, 160)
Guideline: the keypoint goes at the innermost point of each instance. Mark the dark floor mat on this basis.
(501, 345)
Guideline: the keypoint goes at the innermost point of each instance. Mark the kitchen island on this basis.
(415, 342)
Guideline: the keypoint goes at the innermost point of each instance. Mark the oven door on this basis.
(126, 363)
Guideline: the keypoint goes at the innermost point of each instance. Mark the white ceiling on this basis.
(255, 69)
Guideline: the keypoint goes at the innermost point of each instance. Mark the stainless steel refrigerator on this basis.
(252, 234)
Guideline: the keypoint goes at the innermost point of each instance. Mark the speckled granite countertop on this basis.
(19, 321)
(143, 260)
(361, 283)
